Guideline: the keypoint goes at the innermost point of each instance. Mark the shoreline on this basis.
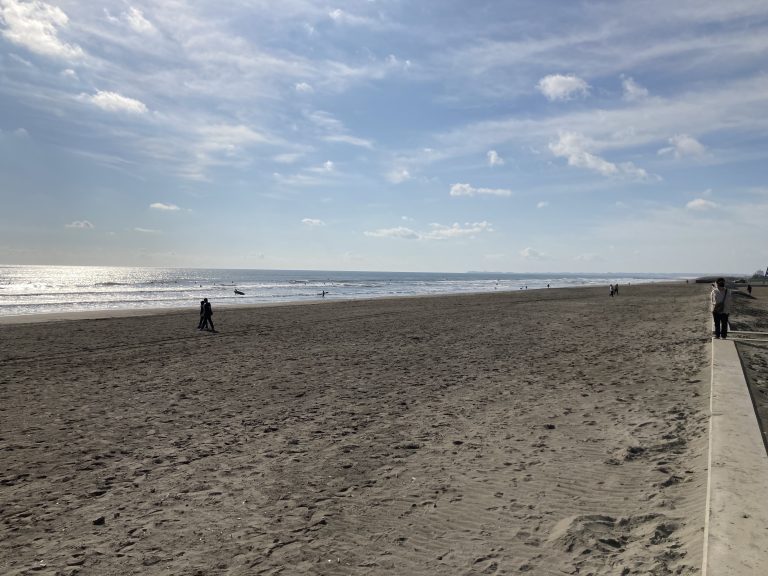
(101, 314)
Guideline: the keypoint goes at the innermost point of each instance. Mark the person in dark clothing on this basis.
(202, 314)
(208, 317)
(720, 304)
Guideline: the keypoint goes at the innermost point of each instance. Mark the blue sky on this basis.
(519, 136)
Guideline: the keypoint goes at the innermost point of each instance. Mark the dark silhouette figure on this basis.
(616, 290)
(611, 290)
(207, 323)
(749, 289)
(202, 314)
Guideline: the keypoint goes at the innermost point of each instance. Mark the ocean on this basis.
(54, 289)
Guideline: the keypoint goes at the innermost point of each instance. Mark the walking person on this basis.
(611, 289)
(202, 314)
(720, 304)
(208, 316)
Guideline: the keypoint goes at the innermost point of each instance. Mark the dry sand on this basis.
(548, 432)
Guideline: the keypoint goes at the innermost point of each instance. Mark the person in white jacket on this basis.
(720, 305)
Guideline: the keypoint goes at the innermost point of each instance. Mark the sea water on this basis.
(53, 289)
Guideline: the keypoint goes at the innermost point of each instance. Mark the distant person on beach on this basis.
(749, 289)
(611, 289)
(202, 315)
(720, 304)
(207, 316)
(616, 289)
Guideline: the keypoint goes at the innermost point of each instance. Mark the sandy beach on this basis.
(543, 432)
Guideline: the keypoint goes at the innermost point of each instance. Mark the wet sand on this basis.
(548, 431)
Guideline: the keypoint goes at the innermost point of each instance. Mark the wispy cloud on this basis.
(351, 140)
(397, 232)
(164, 207)
(575, 148)
(80, 224)
(304, 88)
(531, 254)
(146, 230)
(494, 159)
(341, 17)
(137, 22)
(632, 90)
(435, 231)
(542, 204)
(684, 146)
(114, 102)
(398, 175)
(468, 190)
(312, 222)
(700, 204)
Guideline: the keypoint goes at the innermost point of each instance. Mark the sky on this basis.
(432, 135)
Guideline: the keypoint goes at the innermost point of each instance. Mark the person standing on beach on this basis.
(611, 290)
(720, 304)
(208, 316)
(202, 314)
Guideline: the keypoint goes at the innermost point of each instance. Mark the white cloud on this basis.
(632, 90)
(683, 146)
(494, 159)
(351, 140)
(588, 257)
(468, 190)
(81, 224)
(456, 230)
(313, 222)
(542, 204)
(164, 207)
(560, 87)
(287, 158)
(398, 232)
(146, 230)
(341, 17)
(435, 232)
(35, 26)
(336, 132)
(69, 73)
(531, 254)
(137, 21)
(114, 102)
(574, 147)
(700, 204)
(304, 88)
(398, 175)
